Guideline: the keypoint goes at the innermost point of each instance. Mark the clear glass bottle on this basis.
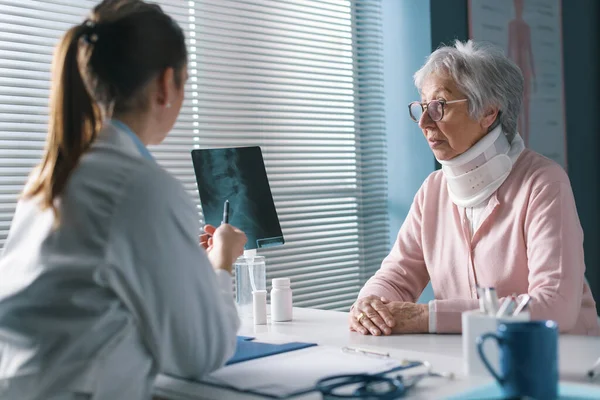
(250, 275)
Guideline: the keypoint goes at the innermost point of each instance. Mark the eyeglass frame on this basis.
(425, 108)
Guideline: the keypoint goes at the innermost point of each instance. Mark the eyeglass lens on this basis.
(435, 109)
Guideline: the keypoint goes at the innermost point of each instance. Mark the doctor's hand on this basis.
(206, 240)
(370, 315)
(223, 245)
(409, 317)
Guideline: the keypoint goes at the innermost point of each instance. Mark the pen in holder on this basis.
(474, 324)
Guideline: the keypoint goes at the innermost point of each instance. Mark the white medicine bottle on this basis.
(281, 300)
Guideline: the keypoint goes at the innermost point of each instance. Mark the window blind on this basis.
(300, 78)
(27, 43)
(371, 137)
(29, 30)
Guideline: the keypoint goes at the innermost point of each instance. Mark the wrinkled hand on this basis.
(406, 317)
(371, 315)
(409, 317)
(223, 245)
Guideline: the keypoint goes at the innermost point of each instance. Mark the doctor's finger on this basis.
(209, 229)
(204, 241)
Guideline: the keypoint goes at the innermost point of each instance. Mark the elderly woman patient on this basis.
(496, 214)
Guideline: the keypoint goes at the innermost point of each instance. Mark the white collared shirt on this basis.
(119, 292)
(474, 218)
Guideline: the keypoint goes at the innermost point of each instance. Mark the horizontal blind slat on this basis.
(300, 78)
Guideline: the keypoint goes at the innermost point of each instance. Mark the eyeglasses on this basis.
(435, 109)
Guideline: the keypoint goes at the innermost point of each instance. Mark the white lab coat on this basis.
(119, 292)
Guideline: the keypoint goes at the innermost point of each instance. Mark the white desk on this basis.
(444, 352)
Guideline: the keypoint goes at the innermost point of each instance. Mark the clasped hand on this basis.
(377, 315)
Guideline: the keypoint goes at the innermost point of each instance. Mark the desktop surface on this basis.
(444, 352)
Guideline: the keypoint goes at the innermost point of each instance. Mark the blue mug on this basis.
(528, 359)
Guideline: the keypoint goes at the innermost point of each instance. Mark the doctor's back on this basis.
(103, 282)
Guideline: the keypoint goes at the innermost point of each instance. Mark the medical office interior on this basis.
(322, 86)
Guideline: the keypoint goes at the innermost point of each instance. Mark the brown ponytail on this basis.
(101, 68)
(74, 122)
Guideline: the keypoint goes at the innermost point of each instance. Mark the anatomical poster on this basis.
(530, 33)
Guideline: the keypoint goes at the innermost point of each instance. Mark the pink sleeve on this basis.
(403, 274)
(556, 266)
(555, 253)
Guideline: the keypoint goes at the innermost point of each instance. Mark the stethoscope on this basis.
(374, 387)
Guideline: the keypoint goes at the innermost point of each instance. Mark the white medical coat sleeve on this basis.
(186, 315)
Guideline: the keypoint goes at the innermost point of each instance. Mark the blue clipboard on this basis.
(248, 349)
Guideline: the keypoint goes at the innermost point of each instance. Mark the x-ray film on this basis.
(238, 174)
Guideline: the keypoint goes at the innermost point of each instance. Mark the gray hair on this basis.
(485, 75)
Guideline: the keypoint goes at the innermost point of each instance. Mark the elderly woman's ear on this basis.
(490, 116)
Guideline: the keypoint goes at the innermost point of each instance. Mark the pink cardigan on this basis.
(529, 241)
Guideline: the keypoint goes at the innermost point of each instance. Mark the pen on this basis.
(225, 212)
(522, 305)
(492, 300)
(513, 304)
(592, 371)
(365, 351)
(505, 308)
(481, 295)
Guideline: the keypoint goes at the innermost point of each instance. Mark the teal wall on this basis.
(406, 44)
(581, 47)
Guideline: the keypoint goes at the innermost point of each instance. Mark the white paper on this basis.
(293, 371)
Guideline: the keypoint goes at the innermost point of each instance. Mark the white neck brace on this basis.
(475, 175)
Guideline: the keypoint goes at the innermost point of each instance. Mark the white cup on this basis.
(474, 324)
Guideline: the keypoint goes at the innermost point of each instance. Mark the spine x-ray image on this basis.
(238, 175)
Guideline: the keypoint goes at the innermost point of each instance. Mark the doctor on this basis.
(104, 284)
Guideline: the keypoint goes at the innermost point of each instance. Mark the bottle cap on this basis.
(281, 283)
